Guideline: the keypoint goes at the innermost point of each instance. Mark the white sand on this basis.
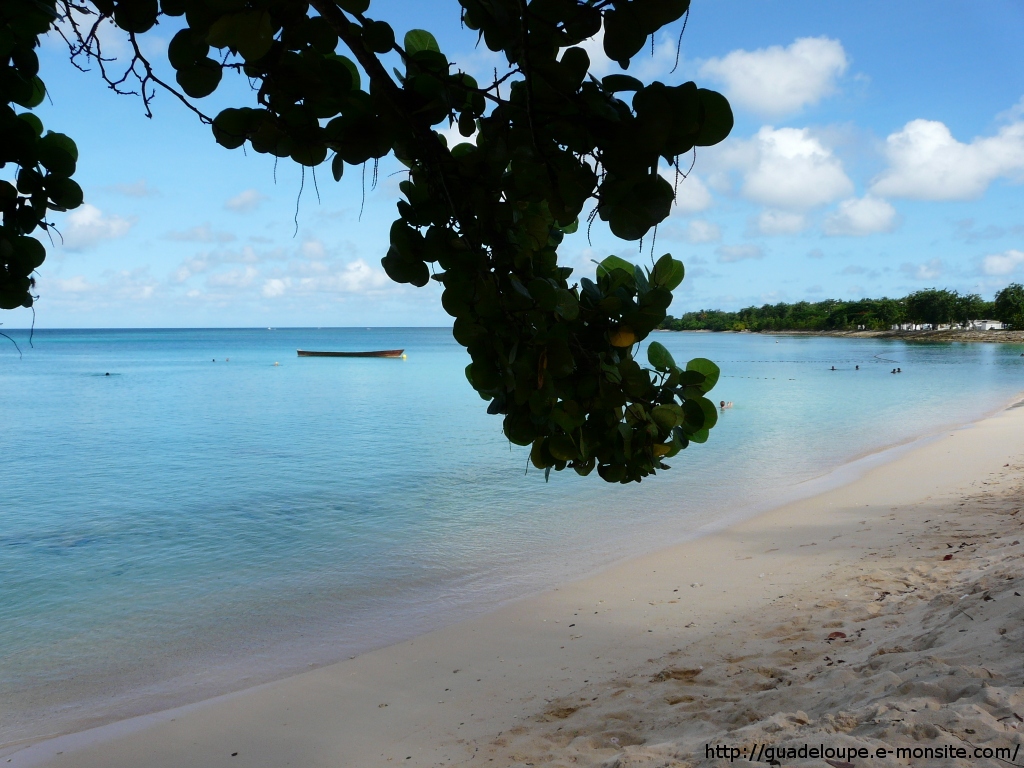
(723, 640)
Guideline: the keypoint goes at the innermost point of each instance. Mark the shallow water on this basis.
(201, 519)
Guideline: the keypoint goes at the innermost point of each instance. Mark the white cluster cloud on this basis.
(76, 284)
(354, 277)
(930, 270)
(275, 286)
(927, 163)
(702, 231)
(1003, 263)
(1014, 113)
(88, 226)
(234, 278)
(861, 216)
(777, 81)
(452, 136)
(789, 169)
(314, 249)
(695, 231)
(190, 267)
(600, 64)
(246, 201)
(775, 222)
(113, 287)
(310, 268)
(208, 261)
(692, 195)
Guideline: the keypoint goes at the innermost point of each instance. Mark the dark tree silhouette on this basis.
(484, 217)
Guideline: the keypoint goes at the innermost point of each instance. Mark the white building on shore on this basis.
(973, 325)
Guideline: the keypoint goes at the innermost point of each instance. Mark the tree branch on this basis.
(150, 76)
(425, 138)
(89, 46)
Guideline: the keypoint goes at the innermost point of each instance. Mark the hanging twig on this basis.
(679, 42)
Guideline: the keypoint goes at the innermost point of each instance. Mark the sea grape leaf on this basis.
(34, 122)
(623, 35)
(201, 79)
(668, 273)
(710, 371)
(615, 262)
(137, 16)
(660, 357)
(354, 6)
(417, 40)
(379, 36)
(717, 119)
(667, 416)
(710, 412)
(700, 436)
(568, 306)
(350, 65)
(623, 337)
(616, 83)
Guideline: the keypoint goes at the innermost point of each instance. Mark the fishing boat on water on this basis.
(377, 353)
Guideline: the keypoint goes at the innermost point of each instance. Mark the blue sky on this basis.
(878, 149)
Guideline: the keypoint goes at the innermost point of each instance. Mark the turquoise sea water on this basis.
(201, 519)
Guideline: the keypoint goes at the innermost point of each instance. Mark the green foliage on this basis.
(484, 218)
(931, 306)
(660, 357)
(41, 163)
(1009, 305)
(928, 306)
(417, 40)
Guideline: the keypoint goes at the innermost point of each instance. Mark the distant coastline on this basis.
(998, 337)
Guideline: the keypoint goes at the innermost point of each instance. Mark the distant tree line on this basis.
(931, 306)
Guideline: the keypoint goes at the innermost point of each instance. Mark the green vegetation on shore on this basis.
(932, 306)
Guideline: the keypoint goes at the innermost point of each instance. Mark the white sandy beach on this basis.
(885, 613)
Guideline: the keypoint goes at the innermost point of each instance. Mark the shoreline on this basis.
(177, 661)
(335, 700)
